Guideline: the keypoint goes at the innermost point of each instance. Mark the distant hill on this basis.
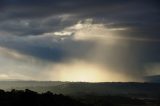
(7, 85)
(83, 88)
(153, 79)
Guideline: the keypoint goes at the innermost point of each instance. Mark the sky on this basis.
(79, 40)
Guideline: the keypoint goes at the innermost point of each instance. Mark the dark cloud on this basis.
(27, 21)
(131, 13)
(48, 48)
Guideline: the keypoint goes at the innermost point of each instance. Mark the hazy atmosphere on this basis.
(79, 40)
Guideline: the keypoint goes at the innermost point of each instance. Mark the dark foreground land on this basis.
(31, 98)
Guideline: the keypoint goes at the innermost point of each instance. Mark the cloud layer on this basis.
(55, 36)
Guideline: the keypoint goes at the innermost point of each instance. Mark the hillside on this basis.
(82, 88)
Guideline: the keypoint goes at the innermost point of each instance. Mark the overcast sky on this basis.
(79, 40)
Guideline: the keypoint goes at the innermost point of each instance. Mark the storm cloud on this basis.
(119, 35)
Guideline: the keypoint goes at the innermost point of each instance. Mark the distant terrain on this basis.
(81, 93)
(82, 88)
(15, 93)
(31, 98)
